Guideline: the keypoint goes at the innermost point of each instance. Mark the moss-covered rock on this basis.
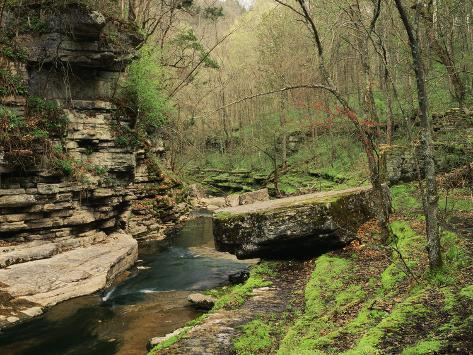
(307, 224)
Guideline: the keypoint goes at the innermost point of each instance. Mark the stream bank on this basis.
(152, 302)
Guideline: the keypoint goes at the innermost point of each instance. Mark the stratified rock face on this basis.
(296, 226)
(61, 235)
(68, 58)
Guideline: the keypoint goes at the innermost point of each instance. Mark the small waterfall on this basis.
(107, 295)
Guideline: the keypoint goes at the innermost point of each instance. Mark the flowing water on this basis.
(152, 302)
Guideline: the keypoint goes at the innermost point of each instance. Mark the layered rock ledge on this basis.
(294, 226)
(39, 278)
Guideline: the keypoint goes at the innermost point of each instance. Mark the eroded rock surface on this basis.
(293, 226)
(43, 280)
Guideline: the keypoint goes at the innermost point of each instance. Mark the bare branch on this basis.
(292, 8)
(276, 91)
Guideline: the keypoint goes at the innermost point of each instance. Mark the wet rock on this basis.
(239, 277)
(254, 196)
(295, 226)
(158, 340)
(200, 301)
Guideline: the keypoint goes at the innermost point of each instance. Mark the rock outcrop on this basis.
(233, 200)
(68, 184)
(294, 226)
(452, 146)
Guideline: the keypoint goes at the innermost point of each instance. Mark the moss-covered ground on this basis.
(228, 297)
(375, 299)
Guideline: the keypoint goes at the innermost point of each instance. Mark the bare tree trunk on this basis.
(430, 197)
(131, 10)
(368, 103)
(283, 121)
(446, 58)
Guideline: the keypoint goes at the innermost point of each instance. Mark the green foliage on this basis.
(28, 140)
(11, 84)
(187, 40)
(13, 53)
(48, 115)
(213, 12)
(66, 166)
(255, 338)
(143, 88)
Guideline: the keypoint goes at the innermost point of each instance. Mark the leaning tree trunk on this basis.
(430, 197)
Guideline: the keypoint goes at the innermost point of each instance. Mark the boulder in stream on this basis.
(201, 301)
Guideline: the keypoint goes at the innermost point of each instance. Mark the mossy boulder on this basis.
(295, 226)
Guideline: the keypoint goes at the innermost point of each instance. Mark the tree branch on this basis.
(275, 91)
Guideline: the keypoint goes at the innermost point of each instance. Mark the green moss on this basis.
(454, 258)
(457, 199)
(404, 199)
(255, 339)
(170, 341)
(405, 240)
(423, 347)
(224, 215)
(352, 293)
(228, 297)
(449, 299)
(237, 295)
(364, 319)
(175, 338)
(406, 312)
(326, 293)
(467, 292)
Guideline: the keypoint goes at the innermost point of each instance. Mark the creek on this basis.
(151, 302)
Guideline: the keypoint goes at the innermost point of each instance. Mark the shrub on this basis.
(144, 91)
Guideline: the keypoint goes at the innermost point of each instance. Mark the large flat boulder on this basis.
(40, 280)
(294, 226)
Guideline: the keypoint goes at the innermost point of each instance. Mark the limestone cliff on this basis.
(68, 184)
